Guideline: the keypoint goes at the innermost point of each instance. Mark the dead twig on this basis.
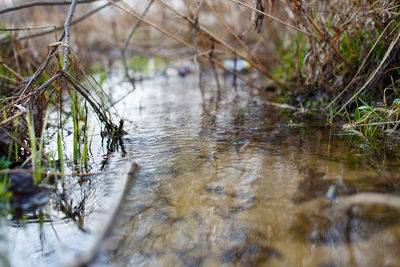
(83, 17)
(370, 198)
(123, 51)
(12, 71)
(44, 86)
(68, 33)
(41, 3)
(29, 98)
(28, 28)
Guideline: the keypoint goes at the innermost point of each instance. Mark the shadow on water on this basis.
(226, 180)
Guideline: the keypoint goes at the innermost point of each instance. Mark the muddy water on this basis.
(229, 181)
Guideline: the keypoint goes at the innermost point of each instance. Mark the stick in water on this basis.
(90, 255)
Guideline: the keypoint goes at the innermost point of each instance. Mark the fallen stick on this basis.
(390, 200)
(90, 255)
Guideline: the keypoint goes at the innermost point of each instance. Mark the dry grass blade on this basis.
(11, 119)
(12, 71)
(359, 69)
(271, 17)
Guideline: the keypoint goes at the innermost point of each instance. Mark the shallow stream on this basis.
(227, 180)
(232, 181)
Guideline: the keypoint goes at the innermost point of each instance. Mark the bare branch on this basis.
(59, 27)
(68, 33)
(28, 28)
(42, 3)
(44, 86)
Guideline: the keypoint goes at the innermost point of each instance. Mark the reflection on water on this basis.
(224, 181)
(235, 182)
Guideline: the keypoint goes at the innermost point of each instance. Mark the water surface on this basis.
(227, 180)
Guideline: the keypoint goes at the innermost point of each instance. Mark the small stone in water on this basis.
(251, 254)
(26, 195)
